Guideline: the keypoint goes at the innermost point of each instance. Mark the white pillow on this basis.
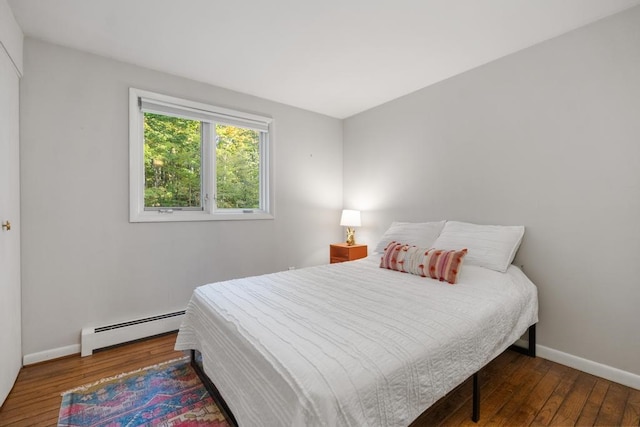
(421, 234)
(490, 246)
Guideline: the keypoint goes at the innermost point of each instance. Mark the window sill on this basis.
(154, 216)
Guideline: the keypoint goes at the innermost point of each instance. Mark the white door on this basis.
(10, 330)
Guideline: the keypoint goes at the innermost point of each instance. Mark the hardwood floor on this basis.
(35, 398)
(516, 390)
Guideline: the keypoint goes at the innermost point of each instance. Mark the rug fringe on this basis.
(124, 374)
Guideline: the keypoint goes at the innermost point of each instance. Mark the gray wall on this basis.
(548, 137)
(83, 263)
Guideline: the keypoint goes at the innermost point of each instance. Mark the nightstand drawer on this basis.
(341, 252)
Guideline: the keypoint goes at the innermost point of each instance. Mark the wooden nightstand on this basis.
(341, 252)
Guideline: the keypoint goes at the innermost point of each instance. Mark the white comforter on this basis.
(351, 344)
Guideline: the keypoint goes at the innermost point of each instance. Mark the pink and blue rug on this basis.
(167, 395)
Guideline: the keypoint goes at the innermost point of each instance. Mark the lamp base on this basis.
(351, 236)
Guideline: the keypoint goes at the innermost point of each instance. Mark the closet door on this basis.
(10, 322)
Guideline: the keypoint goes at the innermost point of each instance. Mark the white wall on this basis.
(83, 262)
(548, 137)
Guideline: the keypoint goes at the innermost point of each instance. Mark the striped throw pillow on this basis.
(435, 263)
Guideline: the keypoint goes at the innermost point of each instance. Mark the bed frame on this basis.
(475, 416)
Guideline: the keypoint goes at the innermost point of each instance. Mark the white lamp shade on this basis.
(350, 218)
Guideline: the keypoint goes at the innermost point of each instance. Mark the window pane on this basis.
(237, 168)
(172, 162)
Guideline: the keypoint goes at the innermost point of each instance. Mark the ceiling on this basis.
(335, 57)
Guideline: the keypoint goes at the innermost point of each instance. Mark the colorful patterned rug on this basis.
(167, 395)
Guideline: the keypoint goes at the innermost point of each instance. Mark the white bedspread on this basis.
(351, 344)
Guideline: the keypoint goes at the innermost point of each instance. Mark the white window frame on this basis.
(203, 112)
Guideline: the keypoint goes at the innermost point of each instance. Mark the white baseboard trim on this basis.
(54, 353)
(594, 368)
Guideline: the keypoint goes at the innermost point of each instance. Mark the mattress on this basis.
(351, 344)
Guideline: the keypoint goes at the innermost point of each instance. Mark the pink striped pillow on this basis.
(435, 263)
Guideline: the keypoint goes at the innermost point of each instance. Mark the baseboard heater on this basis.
(94, 338)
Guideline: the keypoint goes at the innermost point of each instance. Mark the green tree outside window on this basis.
(173, 164)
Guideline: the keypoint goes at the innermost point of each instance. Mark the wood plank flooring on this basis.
(516, 390)
(35, 398)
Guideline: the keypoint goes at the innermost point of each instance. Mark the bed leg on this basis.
(531, 349)
(532, 340)
(476, 399)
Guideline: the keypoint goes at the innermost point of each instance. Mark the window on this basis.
(193, 162)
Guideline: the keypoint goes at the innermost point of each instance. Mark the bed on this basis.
(352, 344)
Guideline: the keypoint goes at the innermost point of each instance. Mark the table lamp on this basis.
(350, 219)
